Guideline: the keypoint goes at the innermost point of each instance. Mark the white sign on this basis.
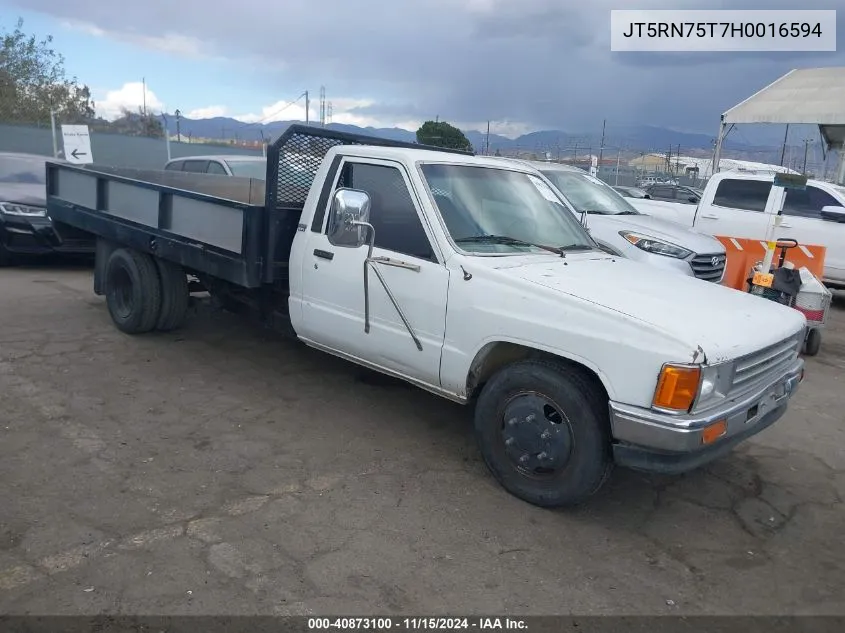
(725, 30)
(77, 144)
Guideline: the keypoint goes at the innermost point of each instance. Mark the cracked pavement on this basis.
(220, 470)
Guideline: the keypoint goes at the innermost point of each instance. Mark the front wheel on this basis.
(543, 431)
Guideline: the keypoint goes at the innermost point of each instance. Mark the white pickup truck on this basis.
(736, 204)
(463, 276)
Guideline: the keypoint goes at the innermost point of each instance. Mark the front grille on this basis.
(756, 367)
(709, 267)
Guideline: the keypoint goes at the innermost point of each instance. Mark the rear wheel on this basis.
(543, 431)
(133, 291)
(175, 296)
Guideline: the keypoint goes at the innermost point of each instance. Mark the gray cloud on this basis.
(543, 62)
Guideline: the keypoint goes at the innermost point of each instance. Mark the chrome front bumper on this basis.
(659, 442)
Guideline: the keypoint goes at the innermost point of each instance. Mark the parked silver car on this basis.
(241, 165)
(622, 230)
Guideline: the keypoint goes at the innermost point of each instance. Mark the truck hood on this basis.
(725, 323)
(24, 193)
(658, 228)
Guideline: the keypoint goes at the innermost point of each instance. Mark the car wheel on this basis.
(5, 256)
(543, 431)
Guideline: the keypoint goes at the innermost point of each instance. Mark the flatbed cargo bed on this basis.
(235, 229)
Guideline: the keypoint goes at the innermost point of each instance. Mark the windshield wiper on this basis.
(600, 212)
(577, 247)
(504, 239)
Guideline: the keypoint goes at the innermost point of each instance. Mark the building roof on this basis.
(811, 96)
(705, 165)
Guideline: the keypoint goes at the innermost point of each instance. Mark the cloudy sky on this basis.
(532, 64)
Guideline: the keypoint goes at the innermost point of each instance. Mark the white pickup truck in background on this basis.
(464, 276)
(734, 204)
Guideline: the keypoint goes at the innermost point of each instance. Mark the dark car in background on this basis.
(674, 193)
(25, 228)
(632, 192)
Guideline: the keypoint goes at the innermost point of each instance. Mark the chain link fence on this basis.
(141, 142)
(136, 142)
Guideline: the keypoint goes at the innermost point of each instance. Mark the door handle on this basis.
(785, 226)
(323, 254)
(709, 217)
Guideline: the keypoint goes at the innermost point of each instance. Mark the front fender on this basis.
(625, 353)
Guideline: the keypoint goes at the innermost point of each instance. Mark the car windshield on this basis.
(491, 210)
(248, 168)
(23, 169)
(588, 194)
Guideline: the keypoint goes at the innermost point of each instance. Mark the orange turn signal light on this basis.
(677, 387)
(713, 432)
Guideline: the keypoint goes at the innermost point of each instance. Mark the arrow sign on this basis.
(77, 144)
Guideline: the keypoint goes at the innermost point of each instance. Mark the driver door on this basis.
(410, 270)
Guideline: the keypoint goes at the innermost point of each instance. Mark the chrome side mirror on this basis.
(349, 218)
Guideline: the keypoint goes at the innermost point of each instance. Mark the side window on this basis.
(392, 213)
(195, 166)
(748, 195)
(174, 166)
(215, 168)
(807, 203)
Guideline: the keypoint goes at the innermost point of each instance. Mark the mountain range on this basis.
(632, 139)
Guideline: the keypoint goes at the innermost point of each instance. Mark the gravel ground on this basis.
(219, 470)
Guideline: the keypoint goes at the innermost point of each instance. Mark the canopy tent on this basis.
(809, 96)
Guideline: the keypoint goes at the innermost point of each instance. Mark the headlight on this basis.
(682, 387)
(10, 208)
(716, 381)
(655, 246)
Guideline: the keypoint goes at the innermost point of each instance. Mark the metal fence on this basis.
(140, 152)
(119, 150)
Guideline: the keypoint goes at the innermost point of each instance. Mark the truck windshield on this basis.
(490, 210)
(248, 168)
(588, 194)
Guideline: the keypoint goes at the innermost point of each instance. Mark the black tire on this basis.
(133, 291)
(574, 416)
(813, 342)
(174, 296)
(5, 257)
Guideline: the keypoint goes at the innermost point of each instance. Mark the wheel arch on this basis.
(495, 355)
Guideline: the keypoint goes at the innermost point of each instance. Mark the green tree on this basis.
(441, 134)
(135, 124)
(33, 81)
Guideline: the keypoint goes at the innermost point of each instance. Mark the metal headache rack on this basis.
(294, 158)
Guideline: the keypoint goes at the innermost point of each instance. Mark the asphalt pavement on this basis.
(221, 470)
